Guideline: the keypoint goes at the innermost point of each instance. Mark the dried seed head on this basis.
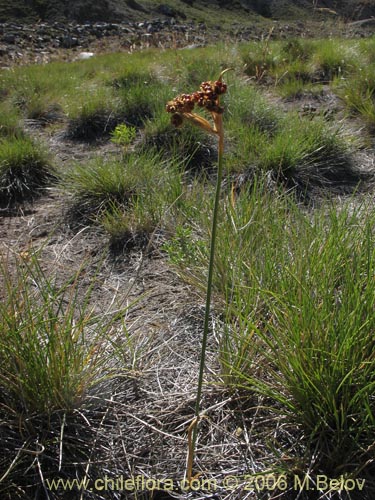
(207, 97)
(181, 104)
(220, 87)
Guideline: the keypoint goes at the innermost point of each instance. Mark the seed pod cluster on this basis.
(207, 97)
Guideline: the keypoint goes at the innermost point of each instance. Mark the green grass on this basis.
(261, 60)
(313, 336)
(190, 146)
(152, 208)
(60, 358)
(297, 294)
(309, 61)
(101, 182)
(293, 285)
(304, 152)
(52, 345)
(333, 59)
(129, 198)
(302, 145)
(357, 93)
(10, 122)
(25, 170)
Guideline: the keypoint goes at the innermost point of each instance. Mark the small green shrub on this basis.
(183, 243)
(123, 135)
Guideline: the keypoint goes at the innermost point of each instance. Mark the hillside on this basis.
(210, 11)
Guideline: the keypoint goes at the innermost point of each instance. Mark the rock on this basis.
(69, 41)
(166, 10)
(84, 55)
(3, 50)
(9, 38)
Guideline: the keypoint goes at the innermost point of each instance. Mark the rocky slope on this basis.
(137, 10)
(41, 30)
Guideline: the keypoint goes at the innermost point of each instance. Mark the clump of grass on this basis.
(45, 113)
(247, 107)
(138, 103)
(93, 117)
(251, 122)
(331, 60)
(48, 360)
(39, 93)
(296, 50)
(358, 94)
(132, 77)
(128, 229)
(189, 68)
(304, 339)
(194, 150)
(291, 88)
(25, 170)
(303, 153)
(56, 368)
(100, 185)
(151, 213)
(261, 59)
(310, 154)
(10, 122)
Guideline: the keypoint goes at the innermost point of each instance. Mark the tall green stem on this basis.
(215, 217)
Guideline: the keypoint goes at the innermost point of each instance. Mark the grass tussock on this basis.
(56, 371)
(25, 169)
(192, 148)
(48, 362)
(100, 183)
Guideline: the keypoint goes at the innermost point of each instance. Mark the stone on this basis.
(9, 38)
(69, 41)
(84, 55)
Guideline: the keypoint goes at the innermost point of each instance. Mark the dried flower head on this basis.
(208, 98)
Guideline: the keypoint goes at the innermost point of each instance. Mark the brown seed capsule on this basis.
(220, 87)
